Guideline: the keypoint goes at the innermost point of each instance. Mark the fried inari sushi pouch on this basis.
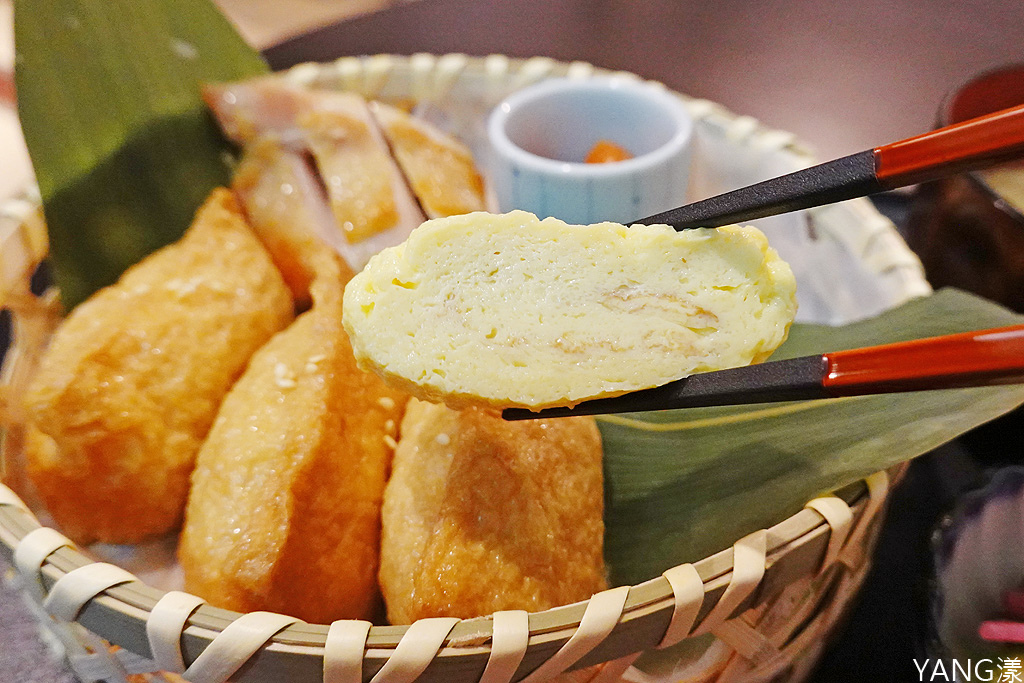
(284, 513)
(132, 379)
(482, 515)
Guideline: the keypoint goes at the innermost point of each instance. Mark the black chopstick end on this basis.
(794, 379)
(833, 181)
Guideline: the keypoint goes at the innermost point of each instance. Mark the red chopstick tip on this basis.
(995, 631)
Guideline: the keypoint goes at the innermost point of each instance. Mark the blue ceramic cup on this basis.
(540, 136)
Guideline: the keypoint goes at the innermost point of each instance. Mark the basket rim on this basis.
(119, 613)
(800, 539)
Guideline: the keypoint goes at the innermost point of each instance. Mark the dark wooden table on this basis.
(843, 75)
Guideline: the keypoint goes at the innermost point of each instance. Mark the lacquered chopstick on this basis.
(1008, 630)
(1002, 631)
(966, 146)
(969, 359)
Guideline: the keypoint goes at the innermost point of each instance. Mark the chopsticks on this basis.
(969, 359)
(1008, 630)
(962, 360)
(1002, 631)
(961, 147)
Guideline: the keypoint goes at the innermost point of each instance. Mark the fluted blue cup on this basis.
(541, 134)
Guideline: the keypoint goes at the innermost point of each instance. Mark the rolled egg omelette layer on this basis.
(512, 311)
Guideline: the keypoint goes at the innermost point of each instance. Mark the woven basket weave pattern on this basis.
(769, 601)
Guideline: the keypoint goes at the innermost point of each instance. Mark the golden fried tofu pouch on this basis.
(481, 514)
(132, 379)
(284, 513)
(512, 311)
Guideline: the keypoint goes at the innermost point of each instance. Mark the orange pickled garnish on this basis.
(605, 151)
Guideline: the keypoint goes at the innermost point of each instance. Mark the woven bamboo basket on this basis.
(760, 610)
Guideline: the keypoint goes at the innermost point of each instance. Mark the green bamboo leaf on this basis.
(682, 485)
(123, 149)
